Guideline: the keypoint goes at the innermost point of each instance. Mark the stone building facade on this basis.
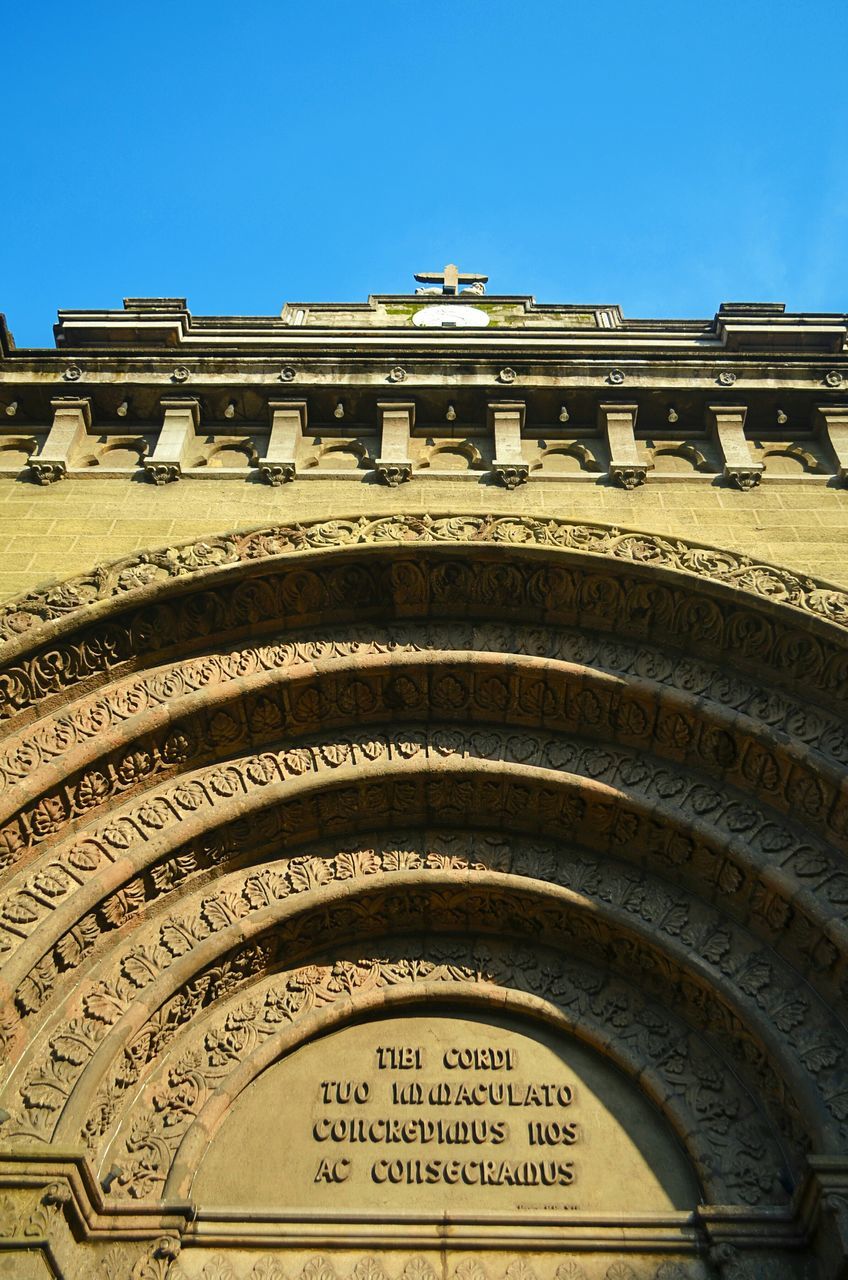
(424, 817)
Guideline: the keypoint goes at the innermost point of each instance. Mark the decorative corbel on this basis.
(394, 465)
(176, 439)
(288, 423)
(727, 421)
(506, 420)
(71, 424)
(832, 423)
(618, 424)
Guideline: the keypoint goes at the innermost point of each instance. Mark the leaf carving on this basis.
(139, 967)
(103, 1004)
(360, 862)
(309, 873)
(222, 911)
(176, 938)
(70, 1048)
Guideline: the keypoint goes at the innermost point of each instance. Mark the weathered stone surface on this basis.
(397, 884)
(511, 1119)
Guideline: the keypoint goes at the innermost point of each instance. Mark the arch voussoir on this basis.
(544, 580)
(112, 707)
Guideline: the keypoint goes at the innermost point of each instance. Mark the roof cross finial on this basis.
(450, 279)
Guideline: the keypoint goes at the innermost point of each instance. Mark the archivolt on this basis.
(759, 1037)
(688, 1080)
(717, 840)
(254, 709)
(655, 728)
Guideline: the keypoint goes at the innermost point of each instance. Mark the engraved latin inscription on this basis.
(464, 1114)
(445, 1113)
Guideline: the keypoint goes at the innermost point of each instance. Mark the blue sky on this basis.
(666, 156)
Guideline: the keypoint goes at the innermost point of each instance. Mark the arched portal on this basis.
(489, 871)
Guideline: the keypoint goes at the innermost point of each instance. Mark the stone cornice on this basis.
(788, 371)
(516, 323)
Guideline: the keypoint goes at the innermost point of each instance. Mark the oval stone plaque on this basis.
(450, 315)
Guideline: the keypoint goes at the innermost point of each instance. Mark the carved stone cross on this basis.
(451, 278)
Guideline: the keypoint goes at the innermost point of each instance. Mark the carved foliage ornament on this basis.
(778, 997)
(277, 473)
(744, 477)
(735, 1150)
(511, 474)
(258, 710)
(677, 797)
(46, 472)
(162, 472)
(417, 1267)
(29, 1217)
(114, 705)
(138, 573)
(803, 658)
(393, 473)
(681, 921)
(628, 477)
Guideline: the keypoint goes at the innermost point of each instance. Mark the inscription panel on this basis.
(438, 1113)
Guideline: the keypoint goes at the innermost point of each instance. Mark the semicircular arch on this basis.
(242, 1038)
(668, 712)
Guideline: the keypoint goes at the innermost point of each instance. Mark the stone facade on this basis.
(424, 819)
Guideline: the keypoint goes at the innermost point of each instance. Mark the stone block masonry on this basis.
(424, 793)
